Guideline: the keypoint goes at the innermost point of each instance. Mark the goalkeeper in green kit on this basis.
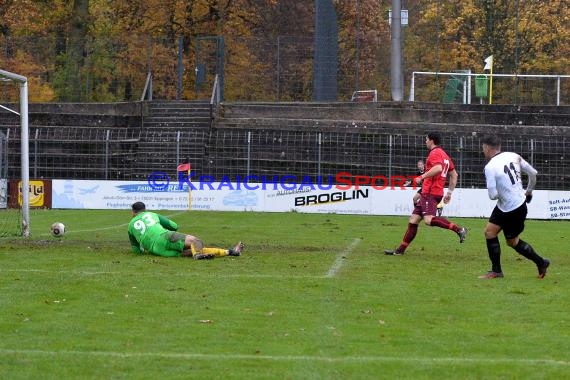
(153, 233)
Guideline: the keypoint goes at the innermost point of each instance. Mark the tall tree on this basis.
(105, 48)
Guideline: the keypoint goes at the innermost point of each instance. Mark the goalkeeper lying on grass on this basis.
(153, 233)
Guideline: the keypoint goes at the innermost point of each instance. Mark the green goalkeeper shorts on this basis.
(169, 244)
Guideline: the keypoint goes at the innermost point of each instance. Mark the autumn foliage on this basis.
(99, 50)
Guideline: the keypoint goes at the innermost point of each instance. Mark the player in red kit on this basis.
(438, 166)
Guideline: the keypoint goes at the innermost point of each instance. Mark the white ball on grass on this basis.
(57, 229)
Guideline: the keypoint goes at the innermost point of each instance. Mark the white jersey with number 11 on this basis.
(504, 183)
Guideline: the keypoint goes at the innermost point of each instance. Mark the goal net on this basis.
(14, 208)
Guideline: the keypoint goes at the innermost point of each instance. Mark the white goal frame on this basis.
(467, 84)
(24, 149)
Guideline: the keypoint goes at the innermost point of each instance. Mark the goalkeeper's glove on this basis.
(528, 198)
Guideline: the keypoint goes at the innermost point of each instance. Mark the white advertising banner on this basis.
(226, 196)
(557, 205)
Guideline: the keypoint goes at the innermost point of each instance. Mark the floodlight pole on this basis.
(24, 149)
(516, 48)
(397, 85)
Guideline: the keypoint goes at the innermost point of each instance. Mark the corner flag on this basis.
(489, 66)
(183, 168)
(488, 63)
(186, 167)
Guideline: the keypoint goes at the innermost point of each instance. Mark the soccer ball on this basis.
(57, 229)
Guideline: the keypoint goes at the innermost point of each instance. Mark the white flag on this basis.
(488, 63)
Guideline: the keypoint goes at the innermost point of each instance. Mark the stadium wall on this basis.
(108, 141)
(404, 112)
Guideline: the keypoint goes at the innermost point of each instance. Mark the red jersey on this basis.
(434, 185)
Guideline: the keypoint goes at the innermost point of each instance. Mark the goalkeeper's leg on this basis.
(197, 248)
(194, 247)
(219, 252)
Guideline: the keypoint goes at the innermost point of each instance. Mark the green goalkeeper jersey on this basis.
(146, 227)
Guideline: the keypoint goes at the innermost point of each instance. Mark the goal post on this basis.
(24, 150)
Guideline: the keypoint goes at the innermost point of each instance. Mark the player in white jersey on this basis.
(504, 183)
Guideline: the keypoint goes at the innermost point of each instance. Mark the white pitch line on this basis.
(161, 274)
(330, 359)
(341, 257)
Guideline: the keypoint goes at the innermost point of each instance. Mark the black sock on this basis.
(526, 250)
(494, 249)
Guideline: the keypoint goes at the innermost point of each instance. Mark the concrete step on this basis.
(180, 112)
(360, 126)
(460, 114)
(178, 115)
(184, 102)
(9, 118)
(165, 118)
(178, 106)
(176, 125)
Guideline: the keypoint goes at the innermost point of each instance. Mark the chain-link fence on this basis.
(134, 154)
(326, 154)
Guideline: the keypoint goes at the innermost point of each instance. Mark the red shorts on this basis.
(427, 205)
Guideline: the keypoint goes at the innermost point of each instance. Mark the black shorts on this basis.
(511, 222)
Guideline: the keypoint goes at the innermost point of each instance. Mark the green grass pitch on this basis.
(312, 297)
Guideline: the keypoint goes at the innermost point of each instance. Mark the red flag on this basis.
(183, 167)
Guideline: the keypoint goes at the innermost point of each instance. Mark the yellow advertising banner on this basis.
(38, 190)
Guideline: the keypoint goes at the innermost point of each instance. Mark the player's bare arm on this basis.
(435, 170)
(453, 176)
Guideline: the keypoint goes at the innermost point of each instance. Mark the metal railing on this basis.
(147, 90)
(467, 87)
(215, 99)
(132, 154)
